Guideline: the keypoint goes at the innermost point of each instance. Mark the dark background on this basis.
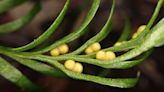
(138, 11)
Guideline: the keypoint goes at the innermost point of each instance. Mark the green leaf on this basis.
(144, 42)
(118, 82)
(127, 64)
(15, 76)
(126, 31)
(122, 83)
(157, 35)
(124, 37)
(72, 36)
(34, 65)
(47, 33)
(134, 42)
(154, 38)
(5, 5)
(39, 67)
(114, 82)
(105, 64)
(13, 26)
(100, 36)
(112, 64)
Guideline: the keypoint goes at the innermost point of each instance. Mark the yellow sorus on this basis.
(117, 43)
(88, 50)
(54, 52)
(109, 55)
(78, 68)
(139, 30)
(134, 35)
(69, 64)
(96, 46)
(63, 49)
(93, 48)
(59, 50)
(100, 55)
(73, 66)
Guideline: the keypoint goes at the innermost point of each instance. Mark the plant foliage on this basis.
(141, 46)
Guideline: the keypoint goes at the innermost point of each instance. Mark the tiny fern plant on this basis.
(141, 45)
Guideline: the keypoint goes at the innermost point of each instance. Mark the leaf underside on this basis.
(140, 47)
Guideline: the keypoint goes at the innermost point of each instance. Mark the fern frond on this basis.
(137, 49)
(20, 22)
(6, 5)
(14, 75)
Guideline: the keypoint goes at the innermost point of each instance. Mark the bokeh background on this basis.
(138, 12)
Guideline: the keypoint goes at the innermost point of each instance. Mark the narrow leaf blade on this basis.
(15, 76)
(15, 25)
(47, 33)
(6, 5)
